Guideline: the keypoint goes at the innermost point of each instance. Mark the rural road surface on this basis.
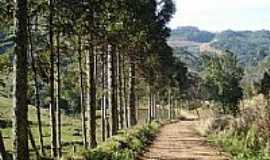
(179, 141)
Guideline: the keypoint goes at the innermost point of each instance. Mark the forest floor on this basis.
(180, 141)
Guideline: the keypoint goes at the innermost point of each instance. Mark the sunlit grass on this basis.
(70, 125)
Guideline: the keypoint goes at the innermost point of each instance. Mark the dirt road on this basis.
(180, 141)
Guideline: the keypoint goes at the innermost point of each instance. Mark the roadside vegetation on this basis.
(232, 116)
(124, 146)
(245, 137)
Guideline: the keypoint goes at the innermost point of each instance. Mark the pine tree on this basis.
(58, 98)
(20, 121)
(37, 90)
(82, 92)
(52, 80)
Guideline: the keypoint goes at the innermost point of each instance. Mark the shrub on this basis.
(123, 146)
(241, 147)
(246, 137)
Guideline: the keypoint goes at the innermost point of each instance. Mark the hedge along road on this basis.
(180, 141)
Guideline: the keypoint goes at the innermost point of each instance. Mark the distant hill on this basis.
(251, 47)
(192, 34)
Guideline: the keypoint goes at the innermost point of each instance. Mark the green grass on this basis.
(69, 125)
(124, 146)
(241, 147)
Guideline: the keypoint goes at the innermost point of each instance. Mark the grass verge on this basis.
(241, 147)
(124, 146)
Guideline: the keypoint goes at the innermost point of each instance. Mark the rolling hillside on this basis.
(251, 47)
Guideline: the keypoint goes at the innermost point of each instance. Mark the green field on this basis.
(71, 126)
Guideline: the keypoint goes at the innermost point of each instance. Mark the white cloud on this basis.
(213, 14)
(204, 5)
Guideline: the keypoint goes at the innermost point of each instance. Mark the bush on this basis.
(123, 146)
(245, 147)
(246, 137)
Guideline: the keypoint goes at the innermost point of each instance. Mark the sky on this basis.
(218, 15)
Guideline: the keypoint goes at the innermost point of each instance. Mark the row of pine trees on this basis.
(114, 46)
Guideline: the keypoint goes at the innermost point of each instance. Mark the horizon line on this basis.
(222, 30)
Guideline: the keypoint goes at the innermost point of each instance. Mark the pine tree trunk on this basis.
(125, 94)
(107, 96)
(87, 91)
(103, 131)
(137, 101)
(37, 104)
(52, 87)
(150, 105)
(92, 115)
(163, 110)
(154, 106)
(103, 100)
(176, 107)
(20, 121)
(170, 105)
(82, 94)
(33, 143)
(37, 92)
(132, 96)
(120, 92)
(3, 154)
(157, 106)
(112, 91)
(58, 110)
(173, 106)
(109, 74)
(117, 88)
